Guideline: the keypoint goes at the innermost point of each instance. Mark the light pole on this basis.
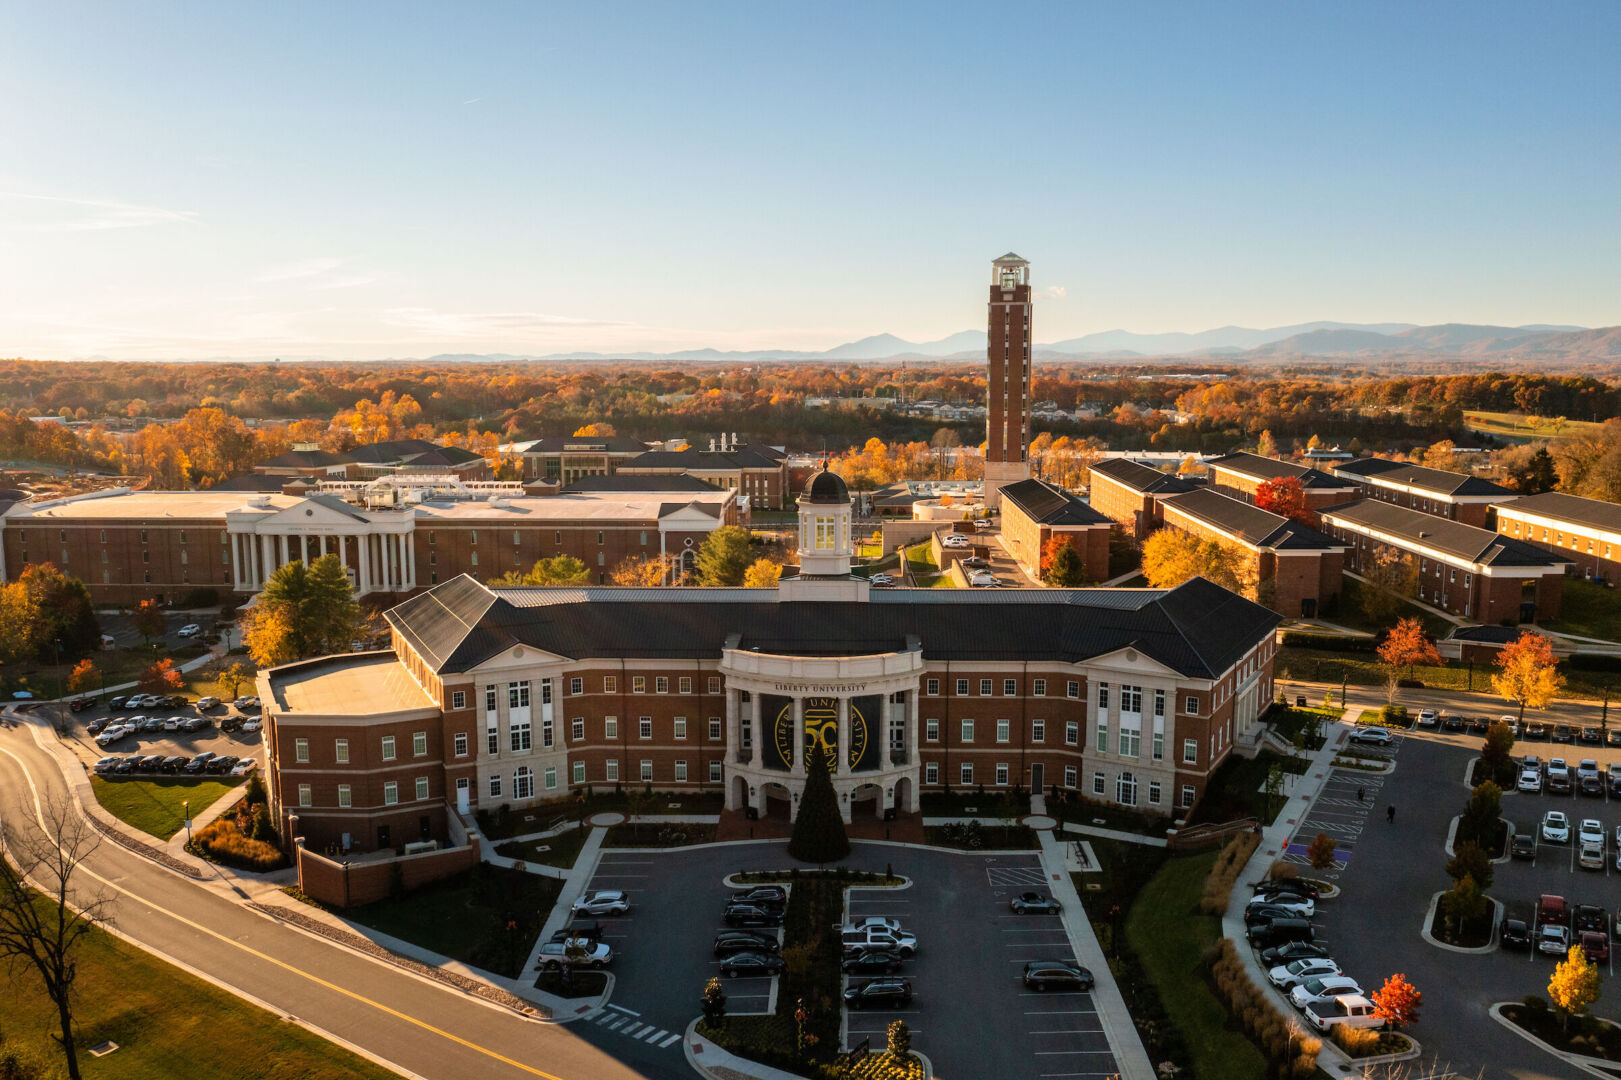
(185, 808)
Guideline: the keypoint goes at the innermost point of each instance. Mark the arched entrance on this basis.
(903, 795)
(740, 793)
(776, 802)
(866, 801)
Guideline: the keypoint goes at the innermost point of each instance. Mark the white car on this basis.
(553, 954)
(984, 524)
(251, 727)
(881, 579)
(1301, 906)
(244, 767)
(603, 902)
(1347, 1010)
(1555, 828)
(1591, 857)
(111, 735)
(1322, 988)
(107, 763)
(189, 630)
(1289, 976)
(171, 723)
(956, 540)
(1553, 939)
(982, 581)
(1530, 780)
(882, 922)
(207, 703)
(1590, 831)
(1427, 718)
(1373, 736)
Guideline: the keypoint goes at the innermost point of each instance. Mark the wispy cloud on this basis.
(472, 101)
(485, 324)
(303, 268)
(1052, 292)
(59, 213)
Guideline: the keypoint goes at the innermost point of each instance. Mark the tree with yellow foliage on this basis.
(1171, 557)
(18, 615)
(598, 430)
(1528, 672)
(1575, 985)
(762, 573)
(643, 571)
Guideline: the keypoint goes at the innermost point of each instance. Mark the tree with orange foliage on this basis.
(1397, 1002)
(159, 678)
(598, 430)
(84, 677)
(1406, 645)
(643, 571)
(1286, 496)
(148, 619)
(1528, 672)
(1061, 565)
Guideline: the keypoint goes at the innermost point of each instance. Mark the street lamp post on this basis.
(185, 808)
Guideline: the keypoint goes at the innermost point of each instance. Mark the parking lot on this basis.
(970, 1011)
(1349, 800)
(240, 744)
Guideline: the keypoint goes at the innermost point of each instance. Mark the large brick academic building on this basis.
(511, 697)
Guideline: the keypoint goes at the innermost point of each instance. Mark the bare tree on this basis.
(38, 927)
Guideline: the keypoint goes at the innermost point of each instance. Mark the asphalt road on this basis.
(407, 1022)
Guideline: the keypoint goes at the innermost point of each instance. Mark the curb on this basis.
(1478, 950)
(1602, 1067)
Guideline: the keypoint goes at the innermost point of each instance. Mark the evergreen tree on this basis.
(303, 611)
(724, 557)
(819, 835)
(1067, 571)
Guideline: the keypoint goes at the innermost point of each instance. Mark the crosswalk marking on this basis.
(616, 1022)
(632, 1029)
(653, 1036)
(665, 1045)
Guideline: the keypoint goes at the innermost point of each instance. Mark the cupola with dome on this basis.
(825, 543)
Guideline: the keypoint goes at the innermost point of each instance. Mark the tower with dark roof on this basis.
(1007, 412)
(826, 546)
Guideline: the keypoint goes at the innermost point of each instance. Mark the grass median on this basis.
(156, 807)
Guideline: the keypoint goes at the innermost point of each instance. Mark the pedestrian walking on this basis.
(1358, 794)
(1390, 814)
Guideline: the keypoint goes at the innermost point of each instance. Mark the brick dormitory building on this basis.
(512, 697)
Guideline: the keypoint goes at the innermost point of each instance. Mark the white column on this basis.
(365, 568)
(323, 545)
(343, 551)
(304, 548)
(734, 733)
(268, 563)
(797, 766)
(409, 540)
(286, 554)
(388, 562)
(754, 722)
(842, 767)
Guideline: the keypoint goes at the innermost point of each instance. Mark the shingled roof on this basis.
(1557, 506)
(1256, 527)
(1479, 546)
(1139, 477)
(1405, 473)
(1266, 468)
(1048, 504)
(1197, 629)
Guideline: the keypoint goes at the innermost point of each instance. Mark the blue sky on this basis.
(368, 180)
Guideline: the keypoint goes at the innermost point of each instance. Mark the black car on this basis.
(95, 727)
(1614, 738)
(199, 763)
(1589, 917)
(1297, 886)
(751, 963)
(1281, 931)
(222, 764)
(1592, 735)
(1535, 729)
(195, 724)
(751, 915)
(116, 703)
(80, 704)
(1454, 723)
(1481, 724)
(762, 895)
(231, 723)
(174, 763)
(586, 929)
(1516, 935)
(1043, 975)
(879, 993)
(1261, 914)
(150, 763)
(1524, 846)
(1590, 784)
(1295, 950)
(1564, 733)
(1615, 782)
(876, 962)
(728, 942)
(127, 765)
(1034, 903)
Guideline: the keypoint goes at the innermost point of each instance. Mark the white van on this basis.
(1352, 1010)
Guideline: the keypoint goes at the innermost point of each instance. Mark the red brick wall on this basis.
(1132, 509)
(322, 879)
(141, 560)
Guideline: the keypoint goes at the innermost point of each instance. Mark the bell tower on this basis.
(1007, 412)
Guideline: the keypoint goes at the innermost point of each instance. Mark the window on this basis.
(518, 733)
(1070, 779)
(661, 685)
(1010, 687)
(985, 688)
(495, 787)
(647, 772)
(461, 744)
(962, 687)
(1003, 730)
(549, 778)
(143, 536)
(489, 700)
(612, 769)
(458, 699)
(645, 727)
(714, 729)
(685, 685)
(576, 685)
(1097, 784)
(1186, 799)
(1190, 705)
(344, 798)
(388, 748)
(523, 783)
(419, 744)
(638, 684)
(433, 538)
(967, 731)
(714, 684)
(1125, 789)
(932, 687)
(391, 793)
(967, 772)
(1131, 699)
(579, 772)
(472, 536)
(472, 558)
(422, 788)
(931, 730)
(518, 695)
(931, 773)
(610, 727)
(680, 771)
(1159, 745)
(576, 729)
(1072, 733)
(1038, 688)
(1072, 689)
(340, 751)
(304, 796)
(493, 744)
(1103, 735)
(1103, 697)
(714, 772)
(1038, 731)
(610, 684)
(681, 727)
(1190, 751)
(103, 536)
(301, 750)
(1159, 703)
(546, 737)
(1131, 740)
(1001, 774)
(1153, 793)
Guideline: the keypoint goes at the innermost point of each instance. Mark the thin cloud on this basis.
(303, 268)
(60, 213)
(1052, 292)
(472, 101)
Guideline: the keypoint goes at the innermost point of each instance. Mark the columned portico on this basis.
(264, 537)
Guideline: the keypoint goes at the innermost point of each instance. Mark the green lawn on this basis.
(1520, 426)
(561, 850)
(921, 556)
(1348, 612)
(1235, 790)
(1169, 936)
(154, 806)
(935, 581)
(487, 916)
(1587, 610)
(1364, 669)
(168, 1026)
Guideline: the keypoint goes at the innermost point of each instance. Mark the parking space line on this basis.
(632, 1029)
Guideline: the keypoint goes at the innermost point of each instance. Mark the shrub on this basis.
(1218, 887)
(222, 841)
(1258, 1016)
(1393, 714)
(1329, 642)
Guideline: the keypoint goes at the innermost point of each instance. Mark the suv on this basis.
(877, 937)
(1524, 846)
(891, 992)
(769, 895)
(728, 942)
(1530, 780)
(1280, 932)
(603, 902)
(1553, 939)
(1587, 778)
(752, 915)
(1555, 828)
(199, 763)
(1552, 909)
(1515, 935)
(553, 954)
(1590, 917)
(1427, 718)
(1372, 736)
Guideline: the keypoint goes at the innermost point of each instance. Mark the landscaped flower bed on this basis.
(1586, 1035)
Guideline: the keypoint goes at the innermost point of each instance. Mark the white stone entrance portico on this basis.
(893, 678)
(374, 546)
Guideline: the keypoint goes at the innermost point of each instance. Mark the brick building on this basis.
(1473, 572)
(1585, 531)
(400, 457)
(1240, 474)
(1034, 511)
(1299, 569)
(1007, 355)
(756, 471)
(568, 458)
(1128, 696)
(1129, 493)
(1453, 495)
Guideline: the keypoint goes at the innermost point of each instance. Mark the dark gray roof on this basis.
(636, 482)
(1255, 526)
(271, 482)
(418, 452)
(825, 486)
(585, 444)
(1140, 477)
(744, 457)
(1481, 546)
(1198, 629)
(1049, 504)
(1439, 481)
(1591, 513)
(1265, 468)
(1486, 635)
(294, 460)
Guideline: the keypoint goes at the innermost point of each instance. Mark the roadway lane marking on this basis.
(600, 1017)
(39, 813)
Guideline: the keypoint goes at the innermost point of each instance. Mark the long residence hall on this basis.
(510, 697)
